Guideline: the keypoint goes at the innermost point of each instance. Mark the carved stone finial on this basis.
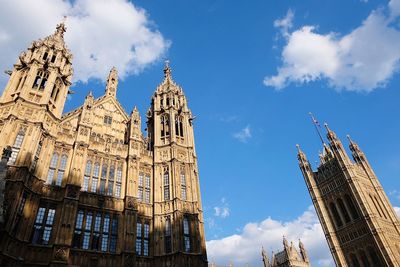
(61, 29)
(167, 69)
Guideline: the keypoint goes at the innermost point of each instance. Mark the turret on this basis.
(112, 83)
(265, 258)
(337, 147)
(43, 73)
(303, 252)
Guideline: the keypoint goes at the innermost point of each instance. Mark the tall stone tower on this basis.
(177, 201)
(87, 188)
(360, 225)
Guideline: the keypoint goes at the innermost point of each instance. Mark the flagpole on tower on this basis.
(316, 125)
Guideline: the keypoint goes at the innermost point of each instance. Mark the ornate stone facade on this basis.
(288, 257)
(360, 225)
(87, 188)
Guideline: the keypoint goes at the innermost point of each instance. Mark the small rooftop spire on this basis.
(61, 29)
(167, 69)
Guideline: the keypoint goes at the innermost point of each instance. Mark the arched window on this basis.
(57, 169)
(186, 234)
(166, 184)
(354, 260)
(350, 204)
(40, 80)
(16, 146)
(56, 89)
(183, 183)
(164, 126)
(21, 80)
(178, 126)
(147, 188)
(343, 209)
(364, 258)
(335, 214)
(52, 168)
(168, 235)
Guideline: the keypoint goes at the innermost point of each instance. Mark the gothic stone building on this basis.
(360, 225)
(86, 188)
(288, 257)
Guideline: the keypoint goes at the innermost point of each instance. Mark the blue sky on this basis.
(251, 73)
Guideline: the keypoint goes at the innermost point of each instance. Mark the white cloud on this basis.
(361, 60)
(244, 134)
(100, 34)
(245, 247)
(285, 23)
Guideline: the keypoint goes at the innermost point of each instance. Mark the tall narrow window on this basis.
(168, 235)
(139, 238)
(147, 188)
(364, 258)
(96, 232)
(374, 257)
(88, 231)
(146, 238)
(103, 178)
(140, 187)
(111, 176)
(164, 126)
(52, 168)
(20, 211)
(37, 154)
(166, 184)
(183, 183)
(41, 80)
(350, 204)
(114, 234)
(186, 234)
(142, 238)
(118, 183)
(105, 234)
(335, 215)
(57, 169)
(178, 126)
(354, 260)
(17, 146)
(56, 89)
(107, 120)
(43, 225)
(95, 177)
(78, 230)
(86, 177)
(343, 210)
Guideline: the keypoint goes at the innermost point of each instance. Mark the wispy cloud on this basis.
(362, 60)
(245, 247)
(244, 134)
(97, 37)
(285, 23)
(222, 210)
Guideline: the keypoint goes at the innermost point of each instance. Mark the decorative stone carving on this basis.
(73, 191)
(61, 253)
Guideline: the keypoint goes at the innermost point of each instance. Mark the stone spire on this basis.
(265, 257)
(112, 82)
